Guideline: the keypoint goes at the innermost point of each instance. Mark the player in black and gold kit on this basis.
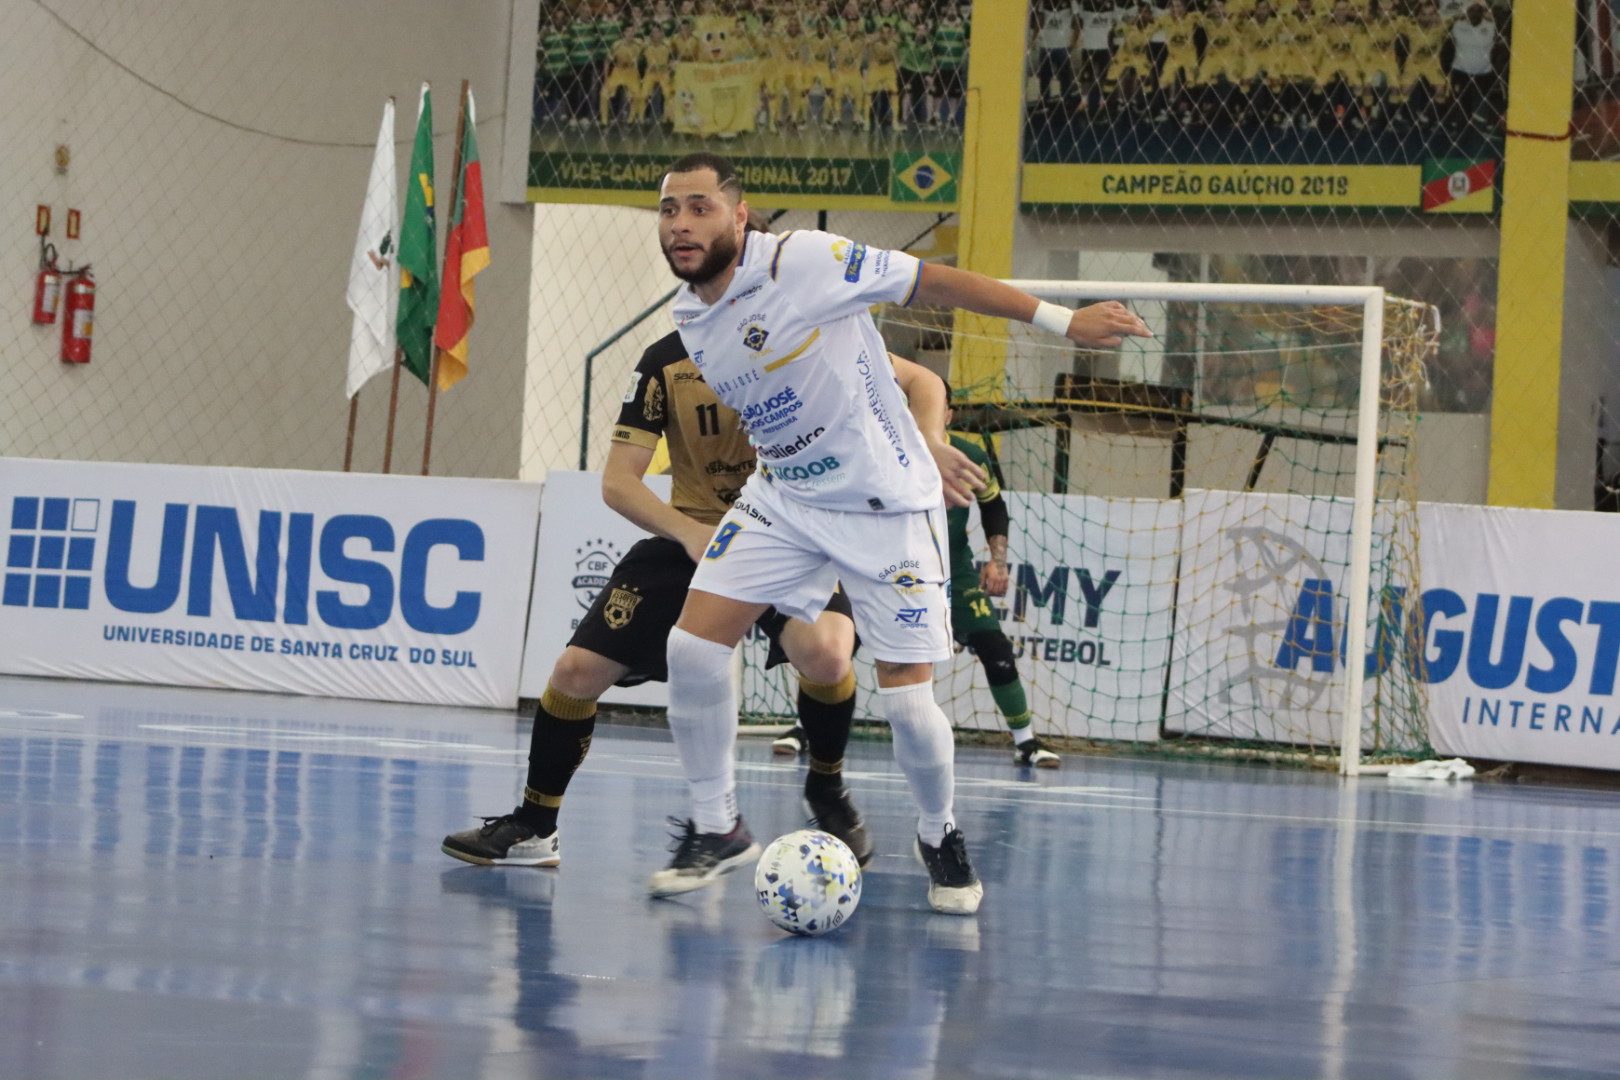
(621, 639)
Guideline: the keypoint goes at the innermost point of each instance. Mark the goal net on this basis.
(1205, 526)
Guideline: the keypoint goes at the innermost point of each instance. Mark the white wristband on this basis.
(1053, 318)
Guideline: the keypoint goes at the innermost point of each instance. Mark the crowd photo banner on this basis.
(390, 588)
(1520, 634)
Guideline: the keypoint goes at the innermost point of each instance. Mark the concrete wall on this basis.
(219, 157)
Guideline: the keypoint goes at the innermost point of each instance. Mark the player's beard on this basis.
(722, 249)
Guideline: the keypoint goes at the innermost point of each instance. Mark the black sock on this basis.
(826, 712)
(557, 747)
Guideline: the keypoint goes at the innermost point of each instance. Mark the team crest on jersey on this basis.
(620, 608)
(653, 407)
(755, 337)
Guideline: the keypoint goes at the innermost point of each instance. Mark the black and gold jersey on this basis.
(709, 452)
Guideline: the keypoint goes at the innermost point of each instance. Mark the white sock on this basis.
(703, 720)
(925, 750)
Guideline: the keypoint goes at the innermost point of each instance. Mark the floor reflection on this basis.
(208, 884)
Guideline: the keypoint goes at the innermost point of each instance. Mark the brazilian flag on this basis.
(924, 177)
(418, 252)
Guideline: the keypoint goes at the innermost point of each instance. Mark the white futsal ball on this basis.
(808, 882)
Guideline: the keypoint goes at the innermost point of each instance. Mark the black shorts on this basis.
(952, 82)
(630, 621)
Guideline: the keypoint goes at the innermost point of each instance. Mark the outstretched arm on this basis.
(1102, 325)
(925, 394)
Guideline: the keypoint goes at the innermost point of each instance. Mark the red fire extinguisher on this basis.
(47, 286)
(78, 317)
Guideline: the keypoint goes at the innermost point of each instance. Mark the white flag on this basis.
(372, 295)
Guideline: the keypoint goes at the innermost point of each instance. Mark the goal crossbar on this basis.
(1370, 299)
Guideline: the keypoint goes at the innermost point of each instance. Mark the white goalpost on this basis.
(1204, 527)
(1370, 300)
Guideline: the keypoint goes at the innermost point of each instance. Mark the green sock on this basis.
(1014, 708)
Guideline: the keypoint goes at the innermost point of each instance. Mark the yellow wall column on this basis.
(1530, 282)
(988, 187)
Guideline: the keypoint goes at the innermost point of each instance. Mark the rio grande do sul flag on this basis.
(466, 254)
(1459, 186)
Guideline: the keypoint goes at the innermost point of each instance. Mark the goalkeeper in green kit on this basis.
(973, 619)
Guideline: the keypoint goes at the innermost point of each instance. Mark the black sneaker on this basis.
(700, 858)
(953, 887)
(504, 841)
(1033, 752)
(791, 741)
(832, 811)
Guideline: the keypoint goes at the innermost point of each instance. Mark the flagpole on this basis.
(455, 201)
(348, 447)
(393, 409)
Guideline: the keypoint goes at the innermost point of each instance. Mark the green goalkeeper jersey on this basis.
(956, 517)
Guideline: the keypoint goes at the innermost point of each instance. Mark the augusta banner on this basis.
(384, 587)
(1260, 620)
(1521, 634)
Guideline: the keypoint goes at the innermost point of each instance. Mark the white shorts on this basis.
(770, 549)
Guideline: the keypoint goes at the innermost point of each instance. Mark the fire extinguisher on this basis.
(47, 286)
(78, 317)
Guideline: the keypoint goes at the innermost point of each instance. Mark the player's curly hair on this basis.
(724, 170)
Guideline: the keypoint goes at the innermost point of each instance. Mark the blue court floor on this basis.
(222, 885)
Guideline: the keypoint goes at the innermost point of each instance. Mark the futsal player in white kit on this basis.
(848, 488)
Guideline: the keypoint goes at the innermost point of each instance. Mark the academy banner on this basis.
(391, 588)
(1087, 612)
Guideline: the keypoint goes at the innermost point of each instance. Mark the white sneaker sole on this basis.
(963, 901)
(548, 856)
(945, 899)
(674, 883)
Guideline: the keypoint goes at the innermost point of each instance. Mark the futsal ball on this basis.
(808, 882)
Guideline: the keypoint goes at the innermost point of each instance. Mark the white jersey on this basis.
(1473, 46)
(791, 346)
(1097, 28)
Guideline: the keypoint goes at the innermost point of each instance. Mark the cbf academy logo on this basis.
(51, 552)
(593, 565)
